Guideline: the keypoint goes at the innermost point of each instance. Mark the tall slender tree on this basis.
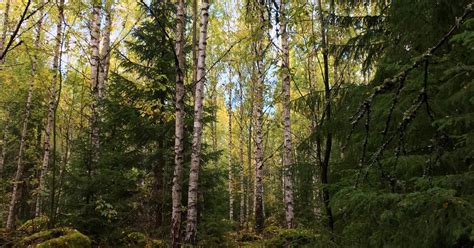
(95, 85)
(18, 179)
(51, 107)
(258, 118)
(287, 141)
(179, 126)
(191, 227)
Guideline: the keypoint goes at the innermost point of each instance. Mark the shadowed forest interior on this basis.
(236, 123)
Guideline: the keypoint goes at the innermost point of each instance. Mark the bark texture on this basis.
(51, 108)
(287, 142)
(94, 81)
(179, 127)
(258, 118)
(105, 54)
(191, 227)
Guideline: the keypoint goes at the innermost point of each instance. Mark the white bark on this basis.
(258, 118)
(179, 127)
(94, 79)
(105, 54)
(51, 107)
(191, 227)
(287, 142)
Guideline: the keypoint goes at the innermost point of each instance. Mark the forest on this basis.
(236, 123)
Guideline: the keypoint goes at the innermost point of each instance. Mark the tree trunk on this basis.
(287, 142)
(95, 85)
(105, 54)
(51, 107)
(194, 48)
(258, 116)
(327, 109)
(179, 128)
(16, 192)
(258, 153)
(230, 148)
(191, 228)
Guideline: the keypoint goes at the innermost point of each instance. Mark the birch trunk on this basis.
(194, 41)
(16, 191)
(258, 117)
(105, 54)
(191, 227)
(94, 79)
(287, 142)
(179, 127)
(51, 107)
(258, 153)
(230, 148)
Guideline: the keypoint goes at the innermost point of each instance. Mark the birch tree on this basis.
(105, 53)
(258, 118)
(191, 227)
(51, 107)
(18, 179)
(95, 84)
(179, 126)
(287, 141)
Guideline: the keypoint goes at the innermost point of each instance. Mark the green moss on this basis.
(34, 225)
(56, 238)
